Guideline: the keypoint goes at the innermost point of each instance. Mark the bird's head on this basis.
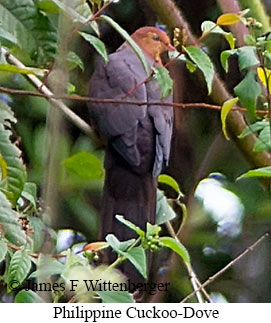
(153, 42)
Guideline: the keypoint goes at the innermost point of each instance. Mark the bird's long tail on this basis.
(129, 193)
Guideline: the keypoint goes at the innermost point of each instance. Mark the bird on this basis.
(138, 136)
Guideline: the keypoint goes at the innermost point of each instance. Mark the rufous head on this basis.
(153, 42)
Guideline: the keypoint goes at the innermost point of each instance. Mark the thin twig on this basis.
(192, 275)
(46, 93)
(117, 101)
(230, 264)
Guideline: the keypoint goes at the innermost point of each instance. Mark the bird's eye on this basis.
(156, 37)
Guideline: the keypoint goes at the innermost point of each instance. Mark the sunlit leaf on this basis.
(259, 172)
(228, 19)
(226, 108)
(176, 246)
(170, 181)
(265, 76)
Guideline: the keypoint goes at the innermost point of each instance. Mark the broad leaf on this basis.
(164, 211)
(74, 61)
(32, 29)
(259, 172)
(163, 78)
(30, 193)
(28, 296)
(47, 266)
(170, 181)
(85, 165)
(116, 297)
(9, 221)
(97, 44)
(224, 58)
(226, 108)
(19, 268)
(3, 249)
(265, 77)
(228, 19)
(248, 91)
(255, 127)
(177, 247)
(247, 57)
(203, 62)
(129, 40)
(210, 27)
(16, 173)
(137, 257)
(130, 225)
(264, 141)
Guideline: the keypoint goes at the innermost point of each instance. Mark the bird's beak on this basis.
(171, 48)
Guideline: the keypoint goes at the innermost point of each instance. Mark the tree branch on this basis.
(170, 15)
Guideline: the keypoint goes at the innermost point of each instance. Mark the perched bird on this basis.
(138, 137)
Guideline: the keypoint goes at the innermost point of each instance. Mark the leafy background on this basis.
(30, 29)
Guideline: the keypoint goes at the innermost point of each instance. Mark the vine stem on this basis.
(229, 265)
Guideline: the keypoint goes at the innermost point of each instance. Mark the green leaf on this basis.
(116, 297)
(97, 44)
(264, 141)
(34, 33)
(259, 172)
(226, 108)
(14, 69)
(113, 242)
(224, 57)
(248, 91)
(47, 266)
(247, 57)
(152, 229)
(129, 40)
(177, 247)
(48, 6)
(16, 173)
(6, 37)
(130, 225)
(210, 27)
(38, 235)
(30, 193)
(203, 62)
(85, 165)
(164, 211)
(74, 61)
(28, 296)
(170, 181)
(161, 74)
(9, 221)
(3, 250)
(255, 127)
(19, 268)
(137, 257)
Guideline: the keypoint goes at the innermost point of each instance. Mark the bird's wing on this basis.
(119, 122)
